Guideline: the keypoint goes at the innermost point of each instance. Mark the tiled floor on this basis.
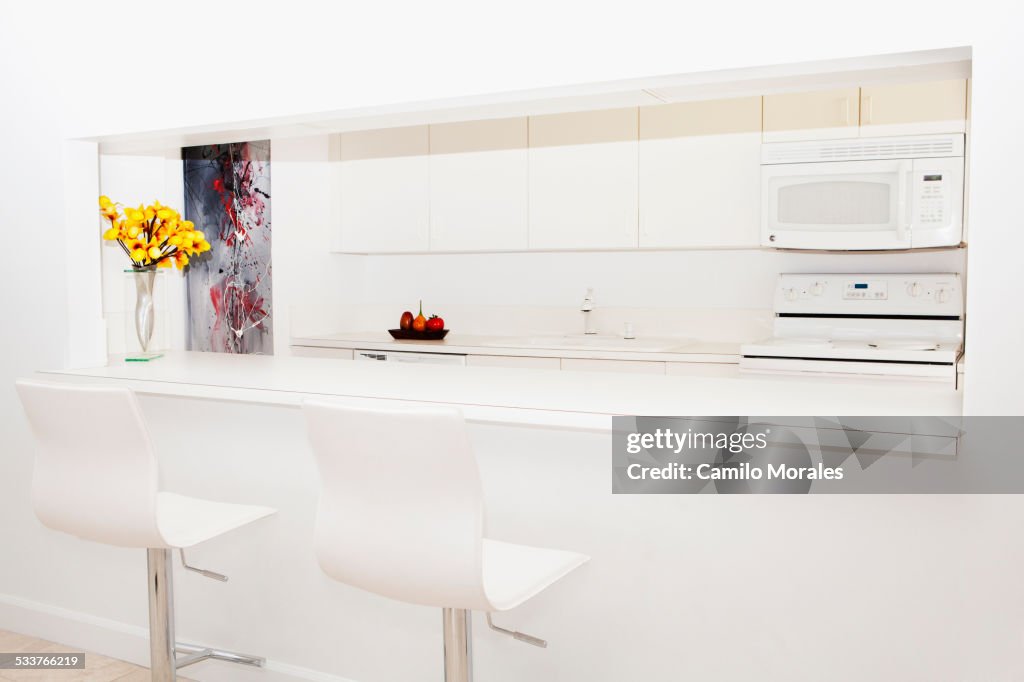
(97, 668)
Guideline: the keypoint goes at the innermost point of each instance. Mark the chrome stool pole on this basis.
(458, 647)
(161, 615)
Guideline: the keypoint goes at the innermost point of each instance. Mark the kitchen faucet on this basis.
(586, 308)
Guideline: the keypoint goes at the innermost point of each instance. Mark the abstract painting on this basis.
(227, 196)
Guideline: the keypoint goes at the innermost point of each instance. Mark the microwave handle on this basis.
(906, 203)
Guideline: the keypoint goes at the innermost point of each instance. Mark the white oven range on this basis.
(883, 325)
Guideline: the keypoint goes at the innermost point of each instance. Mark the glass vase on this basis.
(143, 332)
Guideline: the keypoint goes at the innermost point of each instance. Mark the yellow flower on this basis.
(164, 227)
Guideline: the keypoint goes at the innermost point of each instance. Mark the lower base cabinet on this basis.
(626, 366)
(518, 361)
(317, 352)
(702, 369)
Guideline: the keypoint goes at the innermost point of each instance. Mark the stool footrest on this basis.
(515, 634)
(195, 654)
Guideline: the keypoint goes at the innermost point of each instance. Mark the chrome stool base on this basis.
(195, 654)
(163, 661)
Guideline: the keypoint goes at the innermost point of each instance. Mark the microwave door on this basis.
(847, 206)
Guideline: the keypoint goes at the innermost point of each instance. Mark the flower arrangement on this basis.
(153, 235)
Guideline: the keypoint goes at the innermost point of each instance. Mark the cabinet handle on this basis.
(846, 110)
(868, 109)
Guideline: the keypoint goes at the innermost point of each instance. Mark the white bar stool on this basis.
(96, 477)
(401, 515)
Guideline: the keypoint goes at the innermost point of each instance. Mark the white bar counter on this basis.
(789, 577)
(567, 399)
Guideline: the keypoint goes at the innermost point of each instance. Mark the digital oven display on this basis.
(933, 178)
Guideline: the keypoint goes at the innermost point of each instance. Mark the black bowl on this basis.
(419, 336)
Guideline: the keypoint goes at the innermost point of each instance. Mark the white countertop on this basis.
(536, 397)
(469, 344)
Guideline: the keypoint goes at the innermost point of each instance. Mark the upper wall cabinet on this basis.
(384, 186)
(895, 109)
(700, 174)
(936, 107)
(826, 114)
(478, 185)
(583, 180)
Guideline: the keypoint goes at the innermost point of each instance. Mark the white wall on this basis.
(65, 71)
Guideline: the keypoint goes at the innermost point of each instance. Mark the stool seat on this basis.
(185, 521)
(514, 573)
(96, 477)
(401, 514)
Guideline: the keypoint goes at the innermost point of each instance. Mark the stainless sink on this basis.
(588, 342)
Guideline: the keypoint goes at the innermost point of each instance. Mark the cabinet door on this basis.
(478, 185)
(583, 180)
(821, 115)
(935, 107)
(702, 369)
(319, 352)
(516, 361)
(384, 179)
(700, 174)
(626, 366)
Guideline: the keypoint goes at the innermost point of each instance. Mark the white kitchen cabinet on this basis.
(583, 180)
(384, 187)
(624, 366)
(908, 108)
(822, 114)
(516, 361)
(479, 185)
(702, 369)
(320, 352)
(700, 174)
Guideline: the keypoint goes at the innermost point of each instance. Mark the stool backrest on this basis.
(95, 474)
(400, 511)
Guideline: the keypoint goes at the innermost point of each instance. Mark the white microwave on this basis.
(863, 194)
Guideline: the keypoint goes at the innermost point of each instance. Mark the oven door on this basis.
(845, 206)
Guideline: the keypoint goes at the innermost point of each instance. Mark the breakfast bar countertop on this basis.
(520, 396)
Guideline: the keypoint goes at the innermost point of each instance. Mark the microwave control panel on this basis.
(933, 198)
(936, 196)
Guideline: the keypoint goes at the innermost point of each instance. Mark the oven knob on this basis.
(790, 294)
(818, 289)
(941, 295)
(914, 289)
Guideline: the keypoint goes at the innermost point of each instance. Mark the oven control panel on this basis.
(930, 294)
(872, 290)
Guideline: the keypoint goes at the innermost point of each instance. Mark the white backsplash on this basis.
(703, 324)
